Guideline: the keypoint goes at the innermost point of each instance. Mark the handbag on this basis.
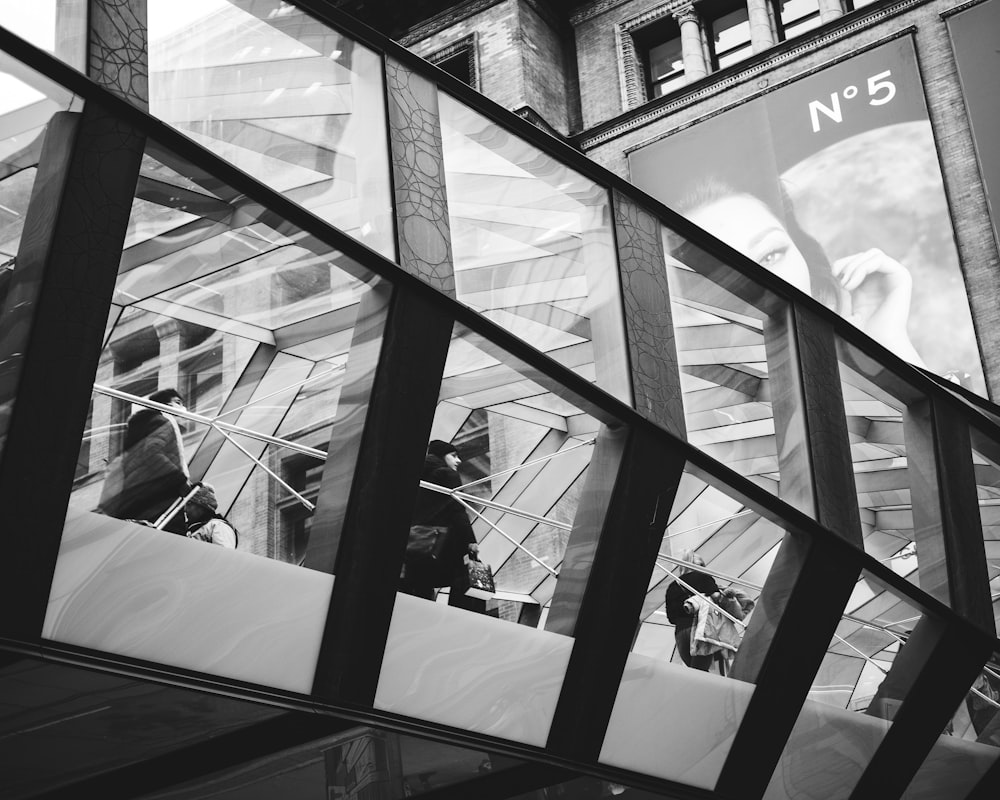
(426, 543)
(481, 583)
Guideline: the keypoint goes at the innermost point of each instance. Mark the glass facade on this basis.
(260, 400)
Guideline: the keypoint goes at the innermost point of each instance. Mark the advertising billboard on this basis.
(832, 181)
(974, 34)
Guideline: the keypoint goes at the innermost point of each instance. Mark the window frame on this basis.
(466, 47)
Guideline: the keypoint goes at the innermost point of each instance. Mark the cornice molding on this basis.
(594, 10)
(711, 84)
(950, 12)
(443, 21)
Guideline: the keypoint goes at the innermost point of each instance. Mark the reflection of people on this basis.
(869, 288)
(205, 523)
(154, 470)
(681, 617)
(438, 509)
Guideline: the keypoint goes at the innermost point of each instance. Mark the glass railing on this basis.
(254, 321)
(29, 102)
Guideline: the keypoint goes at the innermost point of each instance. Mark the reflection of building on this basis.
(338, 254)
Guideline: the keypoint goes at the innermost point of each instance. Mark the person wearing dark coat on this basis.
(154, 470)
(434, 508)
(681, 618)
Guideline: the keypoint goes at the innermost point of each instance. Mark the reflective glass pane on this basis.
(666, 66)
(799, 16)
(854, 696)
(506, 480)
(57, 26)
(98, 722)
(364, 762)
(719, 321)
(524, 452)
(282, 96)
(879, 436)
(218, 383)
(968, 747)
(986, 463)
(533, 247)
(28, 102)
(732, 37)
(717, 547)
(696, 639)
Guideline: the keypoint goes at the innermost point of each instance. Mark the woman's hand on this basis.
(880, 289)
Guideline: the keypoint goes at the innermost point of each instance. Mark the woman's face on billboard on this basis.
(746, 224)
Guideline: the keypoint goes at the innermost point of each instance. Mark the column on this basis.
(761, 32)
(168, 331)
(830, 9)
(695, 66)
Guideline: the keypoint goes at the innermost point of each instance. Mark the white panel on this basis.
(454, 667)
(134, 591)
(830, 748)
(673, 722)
(952, 769)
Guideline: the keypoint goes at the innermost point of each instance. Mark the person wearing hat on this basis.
(442, 510)
(204, 521)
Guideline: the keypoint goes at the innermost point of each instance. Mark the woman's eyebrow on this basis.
(757, 238)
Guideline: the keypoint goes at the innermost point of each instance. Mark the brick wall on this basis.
(597, 56)
(544, 68)
(501, 71)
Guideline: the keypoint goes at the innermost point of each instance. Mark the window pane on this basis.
(855, 695)
(253, 323)
(799, 16)
(525, 488)
(732, 37)
(533, 247)
(57, 26)
(725, 371)
(282, 96)
(969, 745)
(986, 462)
(666, 66)
(880, 431)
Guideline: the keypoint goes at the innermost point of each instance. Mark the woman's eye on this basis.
(772, 257)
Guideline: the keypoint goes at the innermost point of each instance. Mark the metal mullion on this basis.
(609, 559)
(396, 365)
(75, 228)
